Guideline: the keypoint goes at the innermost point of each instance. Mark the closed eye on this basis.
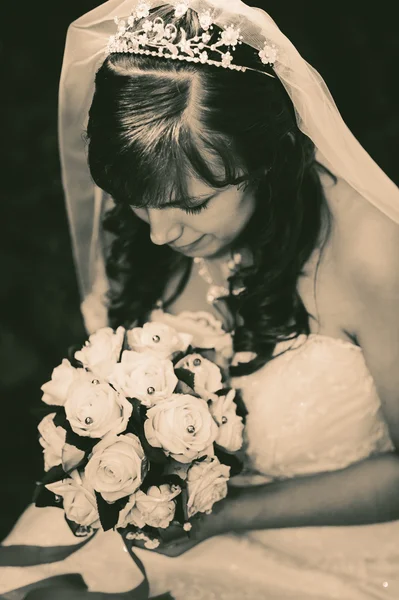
(196, 210)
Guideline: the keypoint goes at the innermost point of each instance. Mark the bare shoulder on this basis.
(366, 247)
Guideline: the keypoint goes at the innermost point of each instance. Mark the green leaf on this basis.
(53, 475)
(155, 476)
(186, 377)
(43, 497)
(82, 442)
(230, 460)
(138, 416)
(109, 513)
(155, 455)
(71, 356)
(241, 408)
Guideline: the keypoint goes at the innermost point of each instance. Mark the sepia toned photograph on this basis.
(199, 334)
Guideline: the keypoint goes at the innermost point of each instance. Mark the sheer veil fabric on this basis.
(316, 113)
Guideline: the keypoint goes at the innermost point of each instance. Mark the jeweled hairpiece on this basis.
(155, 38)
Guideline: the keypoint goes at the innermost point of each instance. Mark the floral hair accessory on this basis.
(154, 37)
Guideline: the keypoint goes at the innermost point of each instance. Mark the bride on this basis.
(240, 199)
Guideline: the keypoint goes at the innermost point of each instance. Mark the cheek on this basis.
(245, 209)
(234, 213)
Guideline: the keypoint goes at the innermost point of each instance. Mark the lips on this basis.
(189, 246)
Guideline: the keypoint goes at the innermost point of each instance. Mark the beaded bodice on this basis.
(312, 408)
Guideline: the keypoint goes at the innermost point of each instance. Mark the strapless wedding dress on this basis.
(313, 408)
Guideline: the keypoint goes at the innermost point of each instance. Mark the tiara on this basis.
(155, 38)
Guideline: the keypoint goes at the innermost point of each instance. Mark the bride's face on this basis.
(215, 219)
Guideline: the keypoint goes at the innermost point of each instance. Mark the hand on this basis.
(203, 527)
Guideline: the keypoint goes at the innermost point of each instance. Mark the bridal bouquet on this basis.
(141, 432)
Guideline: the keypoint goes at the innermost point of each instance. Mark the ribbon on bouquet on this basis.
(66, 586)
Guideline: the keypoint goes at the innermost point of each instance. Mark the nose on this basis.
(164, 228)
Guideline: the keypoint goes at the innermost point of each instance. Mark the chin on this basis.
(216, 251)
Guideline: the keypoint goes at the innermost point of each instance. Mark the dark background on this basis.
(355, 48)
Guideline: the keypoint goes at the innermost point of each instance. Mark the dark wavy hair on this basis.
(152, 120)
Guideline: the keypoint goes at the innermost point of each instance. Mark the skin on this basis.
(357, 300)
(219, 223)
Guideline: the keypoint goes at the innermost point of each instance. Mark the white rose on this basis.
(95, 409)
(207, 375)
(80, 503)
(52, 439)
(183, 427)
(56, 390)
(117, 466)
(155, 508)
(223, 409)
(148, 378)
(158, 338)
(206, 484)
(207, 331)
(102, 351)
